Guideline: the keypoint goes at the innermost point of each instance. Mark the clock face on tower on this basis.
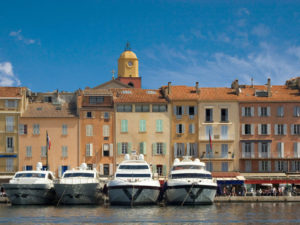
(129, 63)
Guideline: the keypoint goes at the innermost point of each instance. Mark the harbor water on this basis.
(218, 213)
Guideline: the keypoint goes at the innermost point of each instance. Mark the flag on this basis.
(48, 141)
(210, 144)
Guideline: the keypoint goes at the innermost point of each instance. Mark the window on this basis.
(89, 115)
(224, 132)
(264, 150)
(36, 129)
(142, 127)
(64, 151)
(297, 111)
(96, 99)
(143, 148)
(159, 108)
(281, 166)
(11, 103)
(89, 130)
(124, 147)
(191, 128)
(224, 166)
(192, 149)
(9, 124)
(248, 166)
(280, 149)
(224, 115)
(209, 166)
(159, 148)
(263, 129)
(263, 111)
(106, 115)
(247, 129)
(64, 129)
(191, 111)
(159, 126)
(124, 125)
(179, 111)
(9, 144)
(224, 148)
(159, 170)
(179, 128)
(208, 132)
(178, 150)
(264, 166)
(105, 149)
(48, 98)
(89, 149)
(248, 111)
(208, 115)
(124, 108)
(295, 166)
(28, 167)
(22, 129)
(295, 129)
(297, 149)
(106, 169)
(9, 165)
(209, 151)
(280, 111)
(280, 129)
(105, 130)
(142, 108)
(43, 151)
(28, 151)
(247, 150)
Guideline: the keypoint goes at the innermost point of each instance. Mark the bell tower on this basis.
(128, 68)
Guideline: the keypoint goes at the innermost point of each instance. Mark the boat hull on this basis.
(133, 195)
(89, 193)
(30, 194)
(190, 194)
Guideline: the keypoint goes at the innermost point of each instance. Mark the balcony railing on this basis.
(8, 169)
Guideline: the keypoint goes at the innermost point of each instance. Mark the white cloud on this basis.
(243, 11)
(18, 35)
(261, 30)
(7, 76)
(295, 51)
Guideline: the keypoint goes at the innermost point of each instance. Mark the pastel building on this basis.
(54, 113)
(143, 126)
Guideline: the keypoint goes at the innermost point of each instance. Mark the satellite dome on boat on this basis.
(141, 157)
(127, 157)
(39, 166)
(83, 166)
(176, 160)
(197, 160)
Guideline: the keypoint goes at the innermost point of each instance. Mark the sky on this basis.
(67, 45)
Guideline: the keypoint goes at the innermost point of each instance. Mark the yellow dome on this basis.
(128, 55)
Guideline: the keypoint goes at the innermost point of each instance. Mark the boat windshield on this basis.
(133, 167)
(78, 175)
(33, 175)
(132, 175)
(190, 167)
(191, 175)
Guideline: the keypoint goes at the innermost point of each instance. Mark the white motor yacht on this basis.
(190, 183)
(31, 187)
(79, 186)
(133, 183)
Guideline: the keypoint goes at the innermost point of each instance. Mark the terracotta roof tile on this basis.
(12, 92)
(182, 93)
(49, 110)
(138, 95)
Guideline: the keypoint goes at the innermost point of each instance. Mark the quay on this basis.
(257, 199)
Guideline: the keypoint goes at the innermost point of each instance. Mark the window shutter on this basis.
(164, 170)
(188, 150)
(141, 147)
(195, 110)
(252, 111)
(282, 149)
(175, 150)
(193, 128)
(259, 111)
(144, 148)
(141, 126)
(183, 110)
(268, 111)
(164, 148)
(111, 169)
(243, 111)
(183, 128)
(284, 129)
(243, 129)
(276, 129)
(252, 129)
(292, 129)
(276, 166)
(154, 168)
(298, 149)
(129, 147)
(259, 149)
(260, 166)
(252, 150)
(285, 166)
(293, 166)
(174, 109)
(111, 150)
(177, 128)
(279, 150)
(187, 110)
(269, 129)
(269, 150)
(119, 146)
(59, 171)
(259, 129)
(269, 166)
(243, 149)
(101, 169)
(161, 126)
(91, 149)
(154, 149)
(295, 111)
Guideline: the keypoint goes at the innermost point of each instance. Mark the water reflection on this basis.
(219, 213)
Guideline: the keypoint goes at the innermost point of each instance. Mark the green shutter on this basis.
(159, 126)
(142, 125)
(141, 148)
(122, 126)
(119, 148)
(126, 125)
(154, 149)
(164, 148)
(154, 168)
(144, 148)
(164, 170)
(129, 147)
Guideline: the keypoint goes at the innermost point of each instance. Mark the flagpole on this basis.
(47, 149)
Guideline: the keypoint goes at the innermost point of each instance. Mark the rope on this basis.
(61, 197)
(187, 195)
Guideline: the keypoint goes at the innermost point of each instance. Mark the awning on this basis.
(271, 181)
(231, 180)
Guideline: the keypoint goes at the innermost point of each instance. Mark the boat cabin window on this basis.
(133, 167)
(78, 175)
(184, 167)
(191, 175)
(30, 175)
(133, 175)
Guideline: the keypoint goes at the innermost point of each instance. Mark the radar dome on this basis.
(141, 157)
(127, 157)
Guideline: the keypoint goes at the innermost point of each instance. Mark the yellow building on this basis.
(12, 101)
(142, 126)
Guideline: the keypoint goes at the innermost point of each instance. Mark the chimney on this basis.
(252, 85)
(269, 87)
(169, 88)
(197, 87)
(237, 87)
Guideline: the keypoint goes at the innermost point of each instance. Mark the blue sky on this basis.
(66, 45)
